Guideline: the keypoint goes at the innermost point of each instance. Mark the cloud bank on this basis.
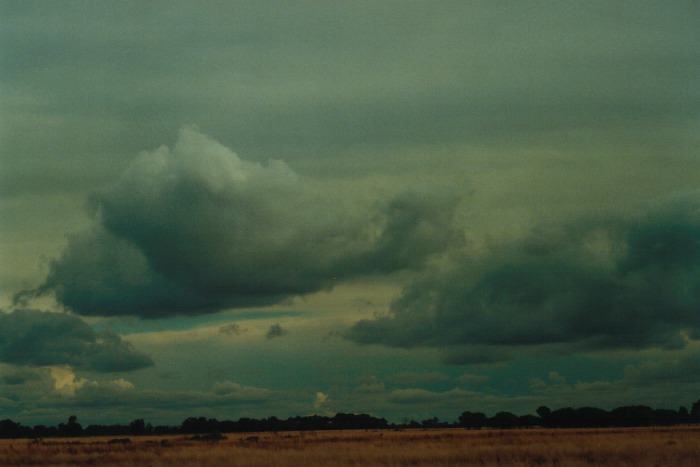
(30, 337)
(600, 284)
(196, 229)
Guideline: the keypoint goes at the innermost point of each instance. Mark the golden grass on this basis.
(668, 446)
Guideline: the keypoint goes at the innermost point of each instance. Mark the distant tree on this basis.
(591, 416)
(632, 415)
(528, 421)
(193, 425)
(472, 420)
(43, 431)
(72, 428)
(431, 423)
(561, 417)
(11, 429)
(137, 427)
(666, 417)
(504, 420)
(695, 411)
(543, 411)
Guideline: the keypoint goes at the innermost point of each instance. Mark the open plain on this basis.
(659, 446)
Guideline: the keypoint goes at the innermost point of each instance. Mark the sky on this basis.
(409, 209)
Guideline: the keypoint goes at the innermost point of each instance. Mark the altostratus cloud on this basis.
(601, 284)
(195, 228)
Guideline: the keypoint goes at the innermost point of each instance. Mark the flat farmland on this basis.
(667, 446)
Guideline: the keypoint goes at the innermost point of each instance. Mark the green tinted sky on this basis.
(410, 209)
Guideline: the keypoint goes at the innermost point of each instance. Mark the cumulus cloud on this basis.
(65, 382)
(30, 337)
(321, 400)
(54, 382)
(195, 228)
(599, 284)
(38, 394)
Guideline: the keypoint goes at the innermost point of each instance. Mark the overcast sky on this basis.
(408, 209)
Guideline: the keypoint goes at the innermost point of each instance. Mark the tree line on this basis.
(584, 417)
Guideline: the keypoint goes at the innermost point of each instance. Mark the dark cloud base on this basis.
(30, 337)
(196, 229)
(605, 284)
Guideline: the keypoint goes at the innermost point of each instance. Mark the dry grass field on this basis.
(673, 446)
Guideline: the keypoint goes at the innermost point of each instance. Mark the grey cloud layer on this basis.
(29, 337)
(603, 284)
(195, 229)
(104, 80)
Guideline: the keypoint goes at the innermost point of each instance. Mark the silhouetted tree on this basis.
(528, 421)
(72, 428)
(137, 427)
(504, 420)
(472, 420)
(431, 423)
(43, 431)
(695, 411)
(632, 415)
(591, 417)
(544, 412)
(10, 429)
(561, 417)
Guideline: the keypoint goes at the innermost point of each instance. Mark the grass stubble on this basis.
(667, 446)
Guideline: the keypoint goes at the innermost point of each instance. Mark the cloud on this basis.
(615, 283)
(275, 331)
(423, 396)
(673, 369)
(30, 337)
(232, 389)
(47, 392)
(196, 229)
(17, 376)
(231, 329)
(472, 379)
(55, 382)
(65, 382)
(413, 378)
(321, 400)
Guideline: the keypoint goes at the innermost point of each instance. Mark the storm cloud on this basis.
(195, 229)
(36, 338)
(600, 284)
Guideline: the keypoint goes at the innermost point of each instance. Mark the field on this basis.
(671, 446)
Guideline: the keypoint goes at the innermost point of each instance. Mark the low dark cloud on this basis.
(196, 229)
(29, 337)
(600, 284)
